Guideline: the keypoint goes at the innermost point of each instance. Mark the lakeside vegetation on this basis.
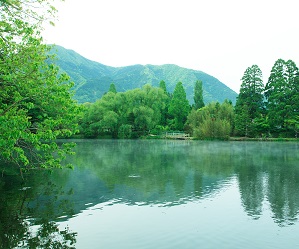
(262, 112)
(37, 104)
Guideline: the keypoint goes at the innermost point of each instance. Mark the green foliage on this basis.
(112, 88)
(259, 112)
(162, 85)
(124, 115)
(249, 105)
(212, 121)
(198, 95)
(36, 106)
(269, 111)
(211, 129)
(282, 97)
(125, 131)
(164, 113)
(179, 107)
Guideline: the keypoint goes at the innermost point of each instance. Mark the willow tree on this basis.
(36, 106)
(249, 105)
(212, 121)
(125, 114)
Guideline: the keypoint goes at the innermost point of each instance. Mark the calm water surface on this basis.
(158, 194)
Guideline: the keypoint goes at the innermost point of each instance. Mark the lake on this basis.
(158, 194)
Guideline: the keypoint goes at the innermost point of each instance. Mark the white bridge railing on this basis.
(175, 134)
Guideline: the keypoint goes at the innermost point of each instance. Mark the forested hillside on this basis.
(93, 79)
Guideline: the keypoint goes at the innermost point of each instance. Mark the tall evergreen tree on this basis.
(282, 96)
(179, 106)
(164, 113)
(112, 88)
(249, 105)
(274, 93)
(162, 85)
(292, 121)
(198, 95)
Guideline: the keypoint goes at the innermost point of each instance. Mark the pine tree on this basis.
(179, 106)
(112, 88)
(198, 95)
(249, 105)
(164, 113)
(162, 85)
(282, 96)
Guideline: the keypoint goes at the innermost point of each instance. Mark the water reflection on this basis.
(28, 211)
(148, 173)
(270, 173)
(176, 172)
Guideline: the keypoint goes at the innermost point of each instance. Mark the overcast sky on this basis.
(219, 37)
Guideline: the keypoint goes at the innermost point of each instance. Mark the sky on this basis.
(219, 37)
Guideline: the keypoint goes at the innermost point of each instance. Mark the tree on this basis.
(164, 112)
(162, 85)
(36, 106)
(198, 95)
(282, 96)
(249, 105)
(112, 88)
(179, 106)
(143, 119)
(292, 120)
(275, 95)
(110, 122)
(214, 120)
(126, 114)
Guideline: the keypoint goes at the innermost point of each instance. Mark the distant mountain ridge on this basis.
(92, 79)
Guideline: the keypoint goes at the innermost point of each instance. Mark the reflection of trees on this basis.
(154, 171)
(269, 170)
(283, 183)
(251, 190)
(19, 203)
(172, 170)
(48, 235)
(167, 172)
(148, 169)
(247, 160)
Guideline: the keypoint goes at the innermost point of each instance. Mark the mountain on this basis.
(92, 79)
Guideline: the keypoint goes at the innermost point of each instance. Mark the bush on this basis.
(125, 131)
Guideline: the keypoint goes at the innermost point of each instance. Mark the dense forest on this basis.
(261, 111)
(37, 104)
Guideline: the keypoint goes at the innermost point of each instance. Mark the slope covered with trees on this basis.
(93, 79)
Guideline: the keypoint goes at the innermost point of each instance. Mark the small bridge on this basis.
(176, 135)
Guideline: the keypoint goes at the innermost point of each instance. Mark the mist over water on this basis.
(164, 194)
